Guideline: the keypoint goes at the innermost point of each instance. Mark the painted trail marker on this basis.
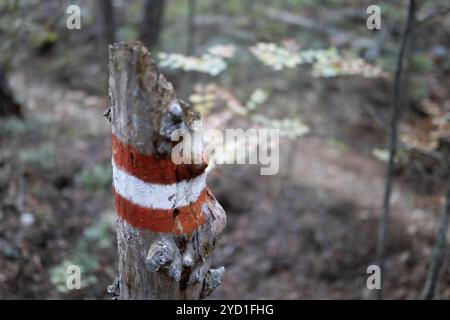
(168, 220)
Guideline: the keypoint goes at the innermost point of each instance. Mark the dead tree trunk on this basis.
(151, 24)
(168, 220)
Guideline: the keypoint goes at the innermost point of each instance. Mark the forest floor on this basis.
(308, 233)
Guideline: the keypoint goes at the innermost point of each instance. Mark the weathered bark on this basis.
(151, 23)
(8, 104)
(144, 112)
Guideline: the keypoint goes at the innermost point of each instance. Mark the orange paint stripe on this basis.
(182, 220)
(151, 168)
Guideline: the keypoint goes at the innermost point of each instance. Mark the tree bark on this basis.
(163, 253)
(151, 24)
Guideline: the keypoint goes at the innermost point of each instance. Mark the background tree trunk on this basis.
(173, 263)
(8, 104)
(105, 36)
(395, 119)
(106, 22)
(151, 24)
(190, 39)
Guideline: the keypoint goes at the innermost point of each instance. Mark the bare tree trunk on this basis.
(190, 45)
(395, 118)
(105, 36)
(106, 21)
(151, 24)
(437, 257)
(8, 104)
(169, 221)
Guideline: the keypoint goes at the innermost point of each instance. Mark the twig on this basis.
(301, 21)
(355, 143)
(384, 223)
(436, 14)
(320, 26)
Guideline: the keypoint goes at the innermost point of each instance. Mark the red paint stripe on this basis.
(183, 220)
(151, 168)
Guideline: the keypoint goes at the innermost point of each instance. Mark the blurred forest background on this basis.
(311, 68)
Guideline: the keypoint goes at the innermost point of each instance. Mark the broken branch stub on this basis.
(168, 220)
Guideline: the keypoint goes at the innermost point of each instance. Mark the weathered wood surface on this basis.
(144, 111)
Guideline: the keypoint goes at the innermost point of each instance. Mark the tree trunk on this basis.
(383, 227)
(105, 37)
(168, 220)
(190, 45)
(106, 22)
(8, 105)
(152, 22)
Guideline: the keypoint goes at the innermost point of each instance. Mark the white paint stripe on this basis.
(154, 195)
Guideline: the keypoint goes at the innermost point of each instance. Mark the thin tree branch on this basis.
(436, 14)
(395, 118)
